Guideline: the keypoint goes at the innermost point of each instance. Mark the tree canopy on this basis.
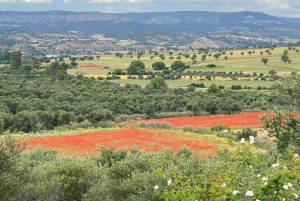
(159, 65)
(135, 67)
(178, 65)
(158, 83)
(285, 125)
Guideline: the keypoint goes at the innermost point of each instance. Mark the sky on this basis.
(286, 8)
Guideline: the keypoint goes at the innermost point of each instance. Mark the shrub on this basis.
(245, 133)
(211, 65)
(219, 127)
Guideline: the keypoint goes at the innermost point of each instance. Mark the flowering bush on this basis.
(239, 175)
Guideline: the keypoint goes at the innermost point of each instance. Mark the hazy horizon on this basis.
(280, 8)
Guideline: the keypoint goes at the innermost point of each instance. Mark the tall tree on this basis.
(285, 125)
(58, 68)
(159, 65)
(135, 67)
(158, 83)
(16, 60)
(265, 60)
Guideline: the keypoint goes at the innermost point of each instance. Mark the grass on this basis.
(235, 63)
(185, 83)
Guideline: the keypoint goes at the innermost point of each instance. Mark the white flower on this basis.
(289, 184)
(223, 185)
(156, 187)
(285, 187)
(265, 178)
(275, 165)
(296, 196)
(250, 166)
(258, 175)
(249, 193)
(251, 137)
(235, 192)
(296, 155)
(265, 183)
(243, 140)
(257, 200)
(169, 181)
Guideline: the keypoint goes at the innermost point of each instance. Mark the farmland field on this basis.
(149, 139)
(236, 121)
(145, 139)
(235, 63)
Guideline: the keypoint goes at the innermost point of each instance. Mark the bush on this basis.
(246, 132)
(211, 65)
(219, 127)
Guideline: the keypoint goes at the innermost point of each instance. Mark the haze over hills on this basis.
(187, 29)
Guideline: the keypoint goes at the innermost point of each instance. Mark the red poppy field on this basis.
(236, 121)
(89, 66)
(146, 139)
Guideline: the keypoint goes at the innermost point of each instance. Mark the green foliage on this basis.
(118, 72)
(265, 60)
(16, 60)
(198, 85)
(190, 89)
(9, 157)
(284, 125)
(158, 83)
(159, 65)
(219, 128)
(213, 89)
(236, 87)
(285, 58)
(56, 68)
(178, 65)
(246, 133)
(240, 174)
(272, 72)
(73, 63)
(135, 67)
(26, 68)
(33, 102)
(211, 65)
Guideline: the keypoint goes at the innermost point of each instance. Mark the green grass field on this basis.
(235, 63)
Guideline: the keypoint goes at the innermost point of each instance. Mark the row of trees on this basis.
(46, 99)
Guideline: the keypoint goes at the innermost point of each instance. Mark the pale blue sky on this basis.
(288, 8)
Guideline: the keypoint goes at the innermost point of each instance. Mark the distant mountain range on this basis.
(169, 18)
(182, 27)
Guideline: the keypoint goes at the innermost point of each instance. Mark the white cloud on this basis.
(105, 1)
(37, 1)
(139, 1)
(7, 1)
(67, 1)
